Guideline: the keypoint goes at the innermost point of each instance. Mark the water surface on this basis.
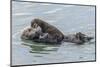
(67, 18)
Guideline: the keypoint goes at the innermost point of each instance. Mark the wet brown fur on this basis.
(47, 28)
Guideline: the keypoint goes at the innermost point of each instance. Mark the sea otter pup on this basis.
(54, 35)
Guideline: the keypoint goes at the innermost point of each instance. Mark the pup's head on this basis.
(34, 22)
(34, 25)
(39, 22)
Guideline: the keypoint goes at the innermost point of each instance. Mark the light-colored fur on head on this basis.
(29, 32)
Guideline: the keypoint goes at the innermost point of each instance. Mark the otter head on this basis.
(35, 22)
(34, 25)
(28, 33)
(38, 22)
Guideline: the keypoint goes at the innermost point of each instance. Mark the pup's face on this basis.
(37, 21)
(34, 25)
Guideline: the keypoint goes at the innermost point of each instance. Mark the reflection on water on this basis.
(40, 49)
(67, 18)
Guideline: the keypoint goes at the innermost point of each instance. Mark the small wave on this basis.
(19, 14)
(14, 35)
(16, 43)
(27, 44)
(53, 11)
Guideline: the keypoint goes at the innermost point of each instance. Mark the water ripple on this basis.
(53, 11)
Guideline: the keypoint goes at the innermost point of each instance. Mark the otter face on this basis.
(34, 22)
(38, 22)
(34, 25)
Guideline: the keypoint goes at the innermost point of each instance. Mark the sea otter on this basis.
(54, 35)
(43, 32)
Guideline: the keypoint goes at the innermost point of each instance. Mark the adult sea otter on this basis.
(54, 35)
(41, 31)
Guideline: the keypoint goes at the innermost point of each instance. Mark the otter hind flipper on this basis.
(78, 38)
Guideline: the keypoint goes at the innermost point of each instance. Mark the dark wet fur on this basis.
(55, 36)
